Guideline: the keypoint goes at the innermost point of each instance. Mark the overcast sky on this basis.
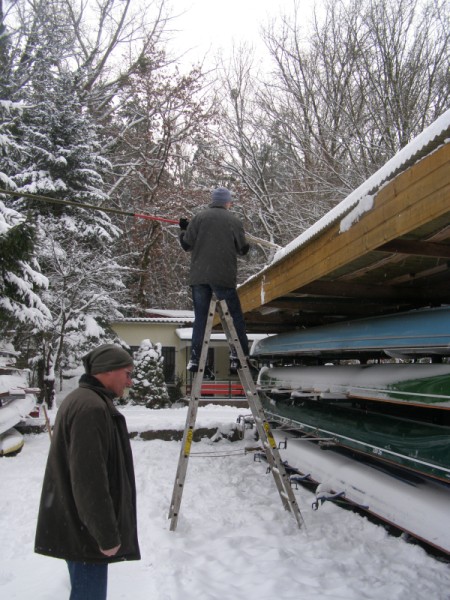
(208, 25)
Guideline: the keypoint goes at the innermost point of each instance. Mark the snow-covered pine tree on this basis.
(19, 301)
(75, 245)
(54, 150)
(149, 388)
(21, 279)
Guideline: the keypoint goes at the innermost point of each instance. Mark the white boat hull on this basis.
(416, 506)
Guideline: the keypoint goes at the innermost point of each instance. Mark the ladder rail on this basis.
(191, 418)
(263, 428)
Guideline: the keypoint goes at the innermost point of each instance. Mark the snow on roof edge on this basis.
(185, 333)
(162, 320)
(408, 155)
(172, 313)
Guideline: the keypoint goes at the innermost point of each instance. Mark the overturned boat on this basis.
(407, 503)
(418, 446)
(421, 385)
(412, 334)
(17, 401)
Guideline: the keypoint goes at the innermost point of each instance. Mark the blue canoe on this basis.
(418, 332)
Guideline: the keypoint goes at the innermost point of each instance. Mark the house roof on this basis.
(161, 320)
(216, 339)
(382, 250)
(170, 313)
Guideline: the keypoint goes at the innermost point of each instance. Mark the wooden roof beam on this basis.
(416, 248)
(414, 198)
(313, 303)
(358, 291)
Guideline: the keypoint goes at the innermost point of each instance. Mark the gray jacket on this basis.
(215, 237)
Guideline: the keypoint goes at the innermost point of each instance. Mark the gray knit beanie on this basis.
(107, 357)
(220, 196)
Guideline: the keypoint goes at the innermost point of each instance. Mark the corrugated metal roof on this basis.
(160, 320)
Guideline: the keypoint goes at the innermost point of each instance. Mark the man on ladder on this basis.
(215, 238)
(277, 468)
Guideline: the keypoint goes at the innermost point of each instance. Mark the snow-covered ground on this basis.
(234, 541)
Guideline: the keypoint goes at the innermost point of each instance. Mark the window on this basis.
(168, 352)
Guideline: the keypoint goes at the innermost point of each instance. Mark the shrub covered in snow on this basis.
(149, 387)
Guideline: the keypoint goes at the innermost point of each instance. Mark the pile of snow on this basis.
(12, 380)
(16, 405)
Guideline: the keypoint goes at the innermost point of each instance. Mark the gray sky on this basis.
(209, 25)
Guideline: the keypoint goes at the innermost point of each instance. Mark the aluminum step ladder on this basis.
(262, 426)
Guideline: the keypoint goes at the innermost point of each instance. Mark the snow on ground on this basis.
(234, 540)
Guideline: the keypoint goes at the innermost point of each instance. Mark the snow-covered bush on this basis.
(149, 387)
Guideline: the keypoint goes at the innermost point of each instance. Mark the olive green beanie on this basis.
(107, 357)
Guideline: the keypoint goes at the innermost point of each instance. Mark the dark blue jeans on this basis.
(201, 296)
(89, 580)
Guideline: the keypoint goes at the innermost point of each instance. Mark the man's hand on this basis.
(111, 551)
(183, 224)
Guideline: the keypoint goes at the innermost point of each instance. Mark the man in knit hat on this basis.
(215, 238)
(87, 513)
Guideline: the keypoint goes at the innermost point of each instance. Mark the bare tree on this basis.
(405, 58)
(345, 94)
(257, 155)
(371, 76)
(162, 117)
(113, 39)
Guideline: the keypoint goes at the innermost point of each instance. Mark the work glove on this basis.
(183, 224)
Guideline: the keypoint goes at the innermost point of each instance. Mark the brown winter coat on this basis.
(88, 497)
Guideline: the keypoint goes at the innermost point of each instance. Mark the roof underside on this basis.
(394, 258)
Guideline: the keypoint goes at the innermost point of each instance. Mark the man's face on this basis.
(116, 381)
